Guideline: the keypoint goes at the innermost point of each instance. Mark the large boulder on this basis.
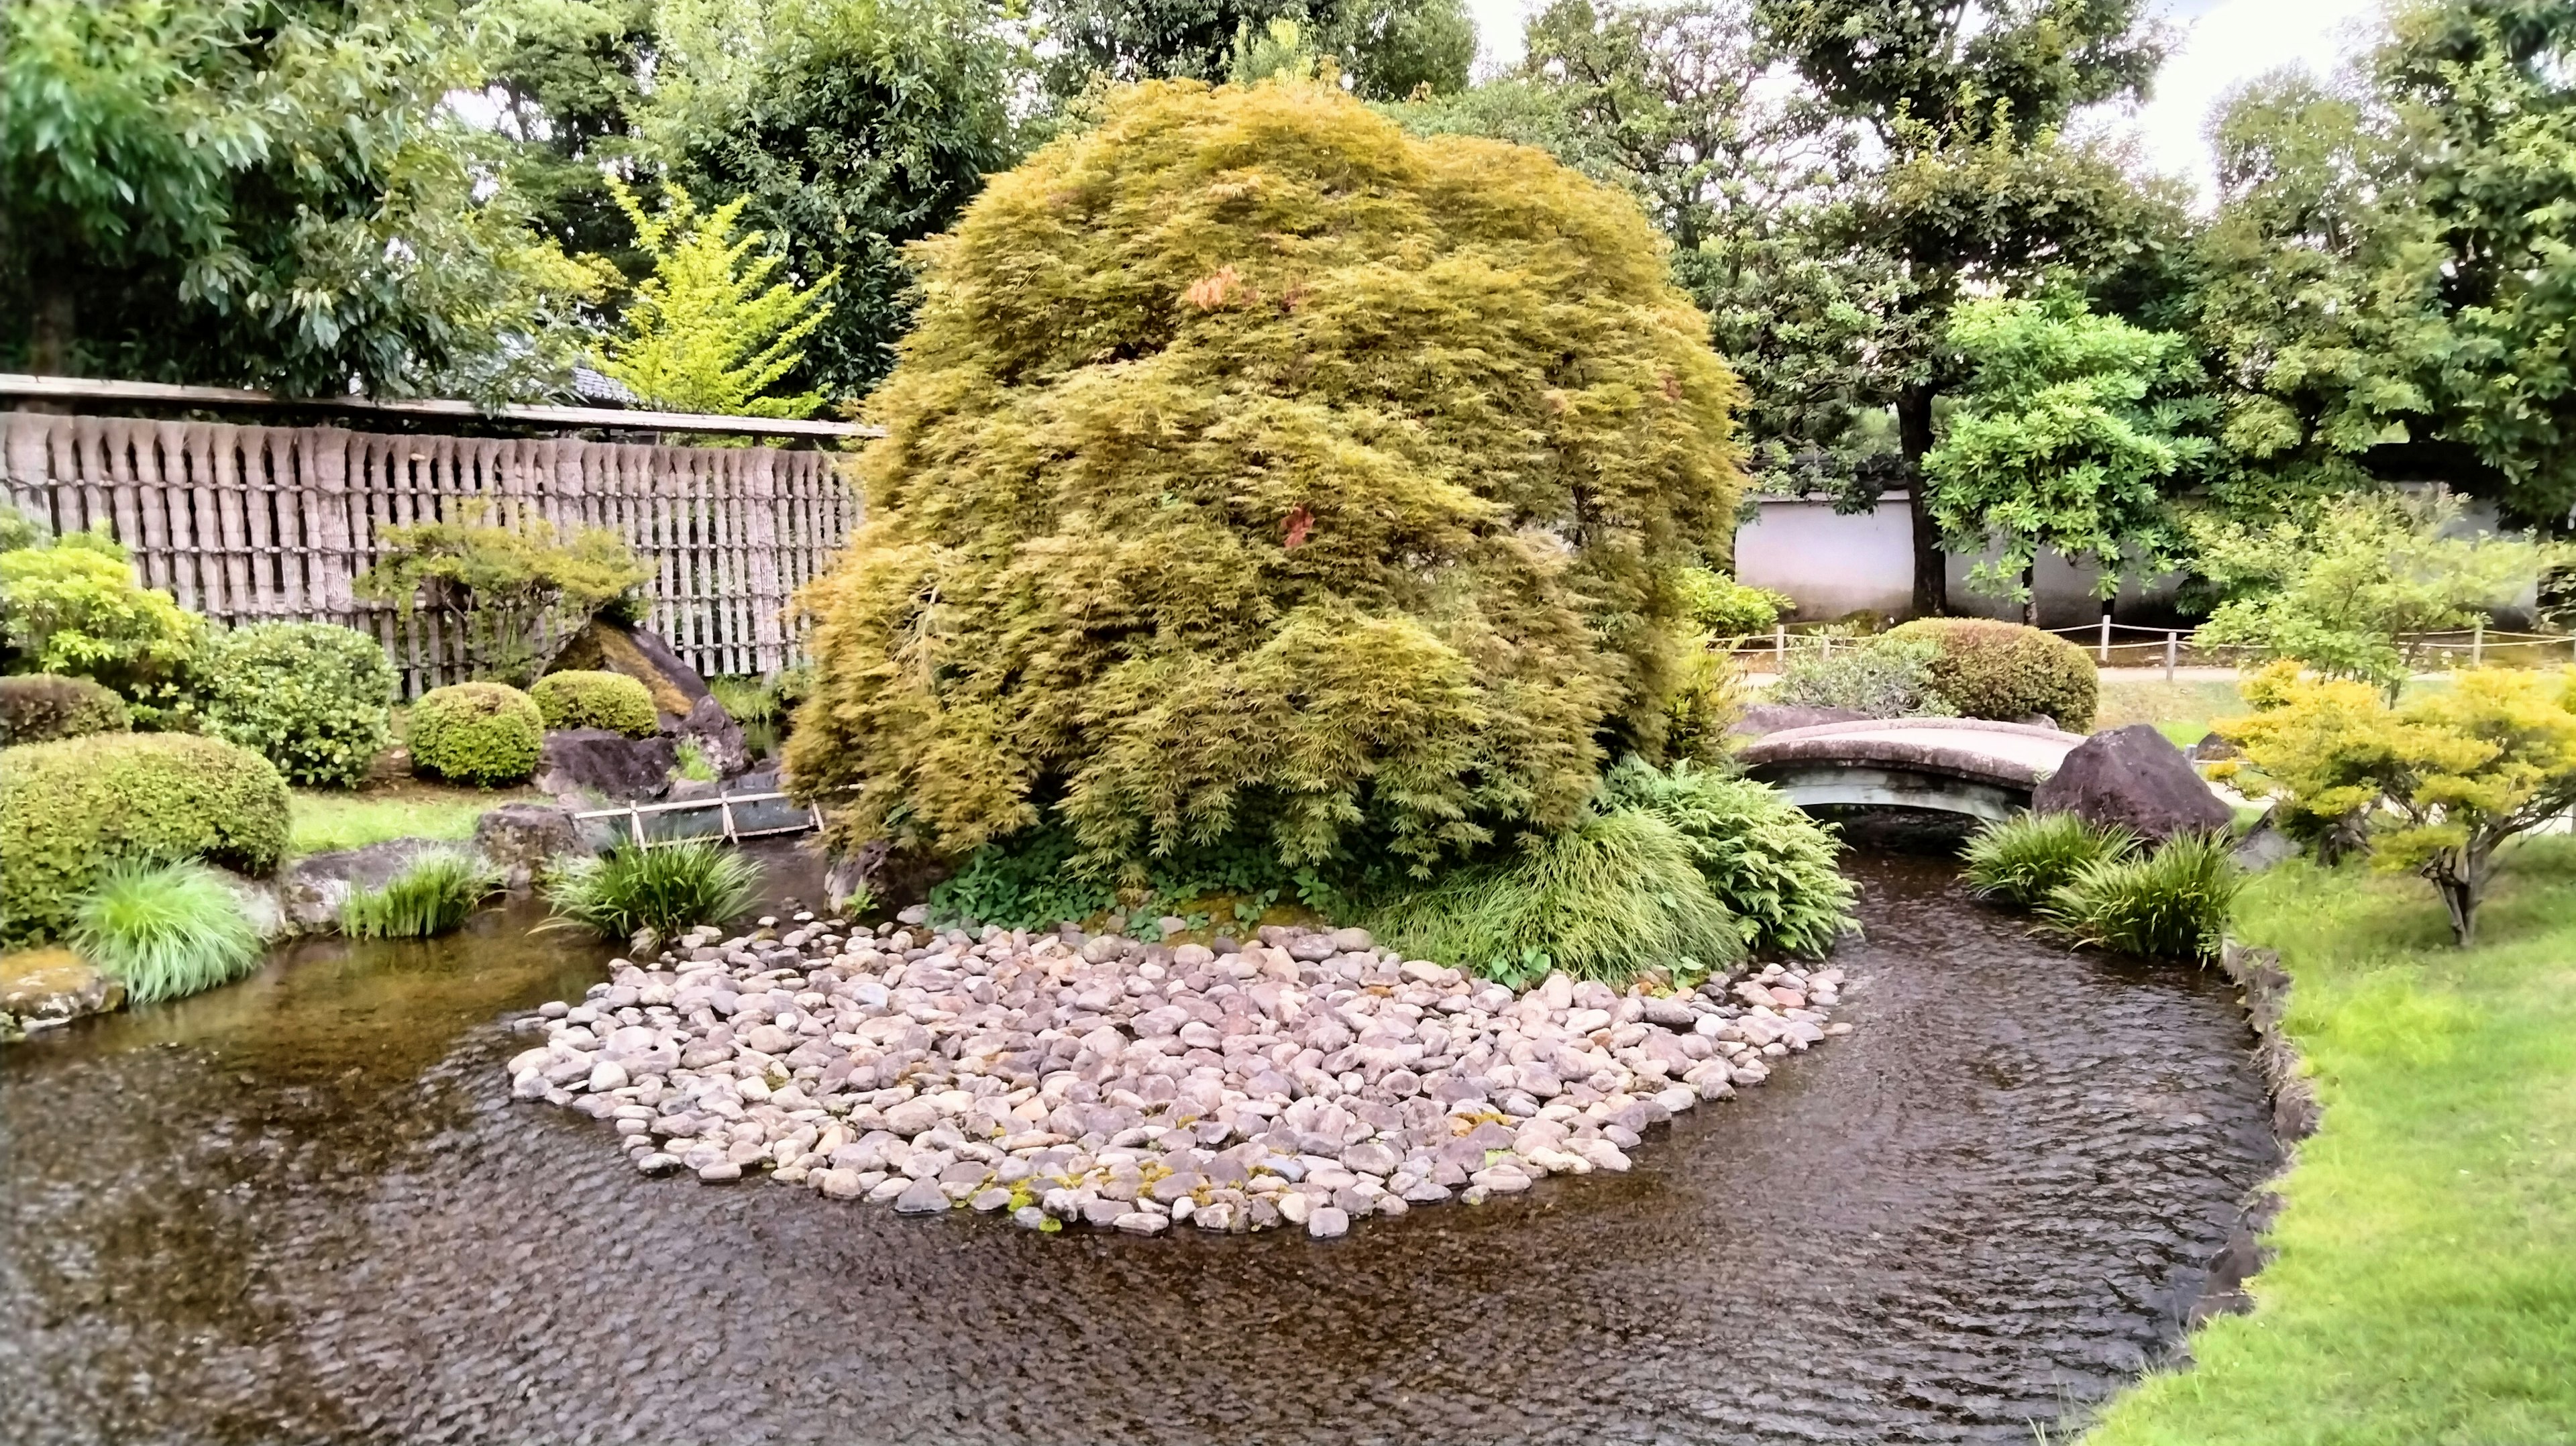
(520, 837)
(2135, 777)
(606, 763)
(718, 736)
(606, 647)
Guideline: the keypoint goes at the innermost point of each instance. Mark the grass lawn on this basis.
(2182, 711)
(2425, 1287)
(325, 819)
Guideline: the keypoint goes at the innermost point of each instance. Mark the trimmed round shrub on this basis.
(581, 699)
(314, 699)
(1253, 467)
(71, 809)
(486, 734)
(42, 707)
(2007, 671)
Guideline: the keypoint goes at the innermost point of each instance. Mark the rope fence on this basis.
(2173, 647)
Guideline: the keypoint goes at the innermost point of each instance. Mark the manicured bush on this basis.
(71, 809)
(1722, 607)
(667, 889)
(314, 699)
(584, 699)
(487, 734)
(42, 707)
(2023, 859)
(73, 607)
(1988, 669)
(1769, 863)
(1882, 677)
(1371, 532)
(2171, 904)
(436, 893)
(1613, 896)
(165, 930)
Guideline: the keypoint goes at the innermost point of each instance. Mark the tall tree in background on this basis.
(264, 193)
(854, 127)
(713, 329)
(1387, 49)
(1965, 100)
(566, 78)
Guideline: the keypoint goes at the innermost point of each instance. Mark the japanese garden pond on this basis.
(305, 1208)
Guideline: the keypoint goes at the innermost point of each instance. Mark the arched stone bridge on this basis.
(1956, 765)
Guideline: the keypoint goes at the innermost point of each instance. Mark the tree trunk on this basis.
(1914, 442)
(2460, 897)
(52, 329)
(2030, 596)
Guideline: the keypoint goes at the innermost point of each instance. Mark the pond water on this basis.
(302, 1208)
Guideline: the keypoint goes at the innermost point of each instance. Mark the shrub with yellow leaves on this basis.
(2436, 784)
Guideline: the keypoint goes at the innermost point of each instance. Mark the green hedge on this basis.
(487, 734)
(69, 810)
(314, 699)
(583, 699)
(2007, 671)
(42, 707)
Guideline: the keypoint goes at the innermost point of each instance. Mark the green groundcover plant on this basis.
(1769, 863)
(165, 931)
(1883, 677)
(1251, 457)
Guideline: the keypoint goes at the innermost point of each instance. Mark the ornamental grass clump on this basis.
(434, 894)
(2023, 859)
(165, 931)
(1769, 863)
(666, 890)
(1250, 458)
(2170, 904)
(1610, 898)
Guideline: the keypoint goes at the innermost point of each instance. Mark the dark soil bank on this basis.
(302, 1209)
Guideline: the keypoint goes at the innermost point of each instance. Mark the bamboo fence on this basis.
(259, 524)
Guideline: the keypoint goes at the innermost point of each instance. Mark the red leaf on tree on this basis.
(1300, 523)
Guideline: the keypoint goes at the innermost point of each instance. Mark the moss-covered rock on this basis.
(1254, 463)
(71, 809)
(486, 734)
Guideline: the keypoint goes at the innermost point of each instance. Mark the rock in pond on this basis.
(2136, 778)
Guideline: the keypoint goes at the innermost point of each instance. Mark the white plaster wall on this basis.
(1830, 563)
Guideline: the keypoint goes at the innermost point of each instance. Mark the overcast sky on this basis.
(2224, 42)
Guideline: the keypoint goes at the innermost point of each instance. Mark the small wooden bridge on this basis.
(1955, 765)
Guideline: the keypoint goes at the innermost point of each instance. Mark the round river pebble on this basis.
(1309, 1080)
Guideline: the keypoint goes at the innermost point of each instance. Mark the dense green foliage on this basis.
(2069, 431)
(73, 607)
(1724, 608)
(485, 734)
(435, 894)
(165, 930)
(502, 589)
(2343, 590)
(2173, 903)
(312, 698)
(1706, 702)
(579, 698)
(714, 328)
(2007, 671)
(2415, 1286)
(1036, 879)
(2435, 786)
(1388, 48)
(1177, 521)
(1610, 897)
(1880, 677)
(71, 809)
(1769, 863)
(263, 193)
(2024, 859)
(666, 890)
(41, 707)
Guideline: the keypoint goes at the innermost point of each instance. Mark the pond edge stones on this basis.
(1306, 1079)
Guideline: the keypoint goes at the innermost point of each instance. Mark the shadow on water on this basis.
(303, 1208)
